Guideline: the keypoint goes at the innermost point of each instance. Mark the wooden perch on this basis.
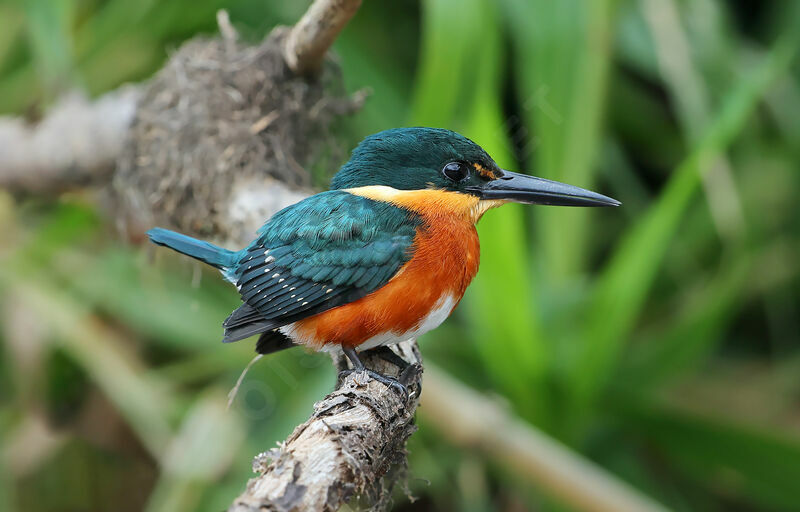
(355, 436)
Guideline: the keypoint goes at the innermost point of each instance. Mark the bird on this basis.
(383, 256)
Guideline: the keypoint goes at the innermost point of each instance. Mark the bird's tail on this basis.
(197, 249)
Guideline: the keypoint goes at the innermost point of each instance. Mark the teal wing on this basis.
(325, 251)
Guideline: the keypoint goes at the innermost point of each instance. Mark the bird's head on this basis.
(436, 159)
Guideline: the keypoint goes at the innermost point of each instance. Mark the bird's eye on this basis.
(455, 171)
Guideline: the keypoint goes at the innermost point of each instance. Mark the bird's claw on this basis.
(398, 385)
(409, 373)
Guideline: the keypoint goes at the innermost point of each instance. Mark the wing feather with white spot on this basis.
(325, 251)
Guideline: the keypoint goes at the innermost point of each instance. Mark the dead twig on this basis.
(316, 31)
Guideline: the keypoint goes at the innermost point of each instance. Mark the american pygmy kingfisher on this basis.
(385, 255)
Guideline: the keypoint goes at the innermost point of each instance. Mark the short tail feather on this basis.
(197, 249)
(245, 321)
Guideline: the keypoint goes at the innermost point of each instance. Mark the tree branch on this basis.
(354, 437)
(316, 31)
(76, 143)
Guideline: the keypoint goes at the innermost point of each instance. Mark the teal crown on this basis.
(411, 159)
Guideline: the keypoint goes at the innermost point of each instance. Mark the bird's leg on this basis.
(352, 356)
(358, 366)
(390, 356)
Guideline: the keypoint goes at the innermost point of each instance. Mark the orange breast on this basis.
(446, 258)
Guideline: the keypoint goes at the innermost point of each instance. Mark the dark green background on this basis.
(659, 340)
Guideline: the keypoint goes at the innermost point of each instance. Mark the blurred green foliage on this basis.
(660, 339)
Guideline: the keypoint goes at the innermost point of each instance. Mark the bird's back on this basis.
(325, 251)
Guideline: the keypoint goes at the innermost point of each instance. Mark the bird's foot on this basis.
(409, 373)
(390, 382)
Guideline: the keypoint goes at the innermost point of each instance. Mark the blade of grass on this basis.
(624, 283)
(440, 89)
(499, 303)
(501, 316)
(201, 450)
(563, 55)
(48, 27)
(502, 290)
(726, 457)
(691, 100)
(692, 336)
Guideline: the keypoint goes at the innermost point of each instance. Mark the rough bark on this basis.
(355, 436)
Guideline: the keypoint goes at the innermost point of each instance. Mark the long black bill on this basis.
(522, 188)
